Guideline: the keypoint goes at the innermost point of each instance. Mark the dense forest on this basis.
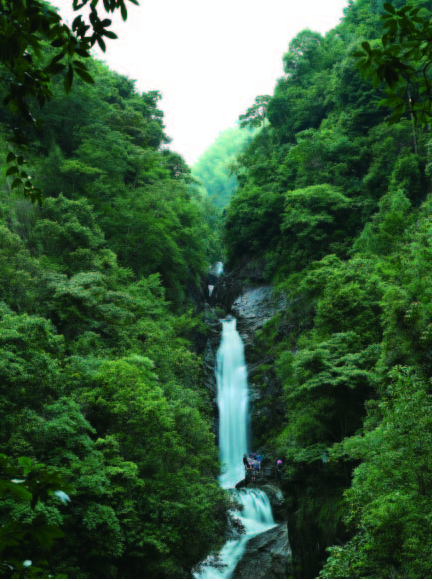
(108, 464)
(101, 391)
(334, 209)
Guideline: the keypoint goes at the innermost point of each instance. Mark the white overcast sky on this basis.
(208, 58)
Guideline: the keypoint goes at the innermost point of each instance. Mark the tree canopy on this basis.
(101, 380)
(333, 209)
(27, 29)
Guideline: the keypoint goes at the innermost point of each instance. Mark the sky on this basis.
(209, 59)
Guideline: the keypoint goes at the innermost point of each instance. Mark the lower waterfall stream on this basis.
(233, 396)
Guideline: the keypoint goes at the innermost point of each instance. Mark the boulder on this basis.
(267, 556)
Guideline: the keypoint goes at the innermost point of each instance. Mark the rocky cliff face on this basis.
(267, 556)
(230, 286)
(253, 308)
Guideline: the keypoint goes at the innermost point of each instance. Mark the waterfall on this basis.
(233, 394)
(231, 375)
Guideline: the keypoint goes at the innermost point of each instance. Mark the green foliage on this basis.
(402, 61)
(388, 503)
(336, 202)
(98, 376)
(314, 223)
(213, 169)
(253, 225)
(26, 27)
(26, 485)
(123, 414)
(385, 230)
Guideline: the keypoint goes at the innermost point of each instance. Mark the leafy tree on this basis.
(314, 223)
(255, 116)
(31, 484)
(25, 25)
(388, 506)
(402, 62)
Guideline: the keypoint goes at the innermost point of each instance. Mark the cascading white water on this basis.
(256, 516)
(231, 375)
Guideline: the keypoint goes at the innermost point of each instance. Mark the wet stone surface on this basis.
(267, 556)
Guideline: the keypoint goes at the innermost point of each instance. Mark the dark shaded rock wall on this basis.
(231, 285)
(214, 327)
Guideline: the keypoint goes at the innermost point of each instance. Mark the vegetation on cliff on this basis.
(334, 201)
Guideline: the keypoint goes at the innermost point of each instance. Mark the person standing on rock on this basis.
(254, 470)
(246, 465)
(278, 469)
(257, 467)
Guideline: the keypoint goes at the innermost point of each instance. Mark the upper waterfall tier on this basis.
(231, 374)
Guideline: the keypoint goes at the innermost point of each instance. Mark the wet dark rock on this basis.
(197, 295)
(212, 278)
(267, 556)
(239, 280)
(214, 327)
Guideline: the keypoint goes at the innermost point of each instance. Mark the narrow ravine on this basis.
(233, 397)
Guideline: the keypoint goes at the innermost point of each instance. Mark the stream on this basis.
(233, 398)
